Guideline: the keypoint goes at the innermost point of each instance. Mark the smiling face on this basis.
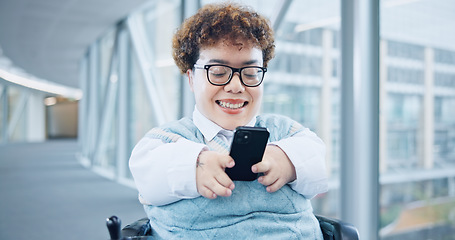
(234, 104)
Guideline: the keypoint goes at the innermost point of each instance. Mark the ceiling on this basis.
(48, 38)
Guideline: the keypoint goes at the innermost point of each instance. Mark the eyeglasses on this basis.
(220, 75)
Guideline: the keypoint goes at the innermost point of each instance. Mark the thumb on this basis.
(260, 167)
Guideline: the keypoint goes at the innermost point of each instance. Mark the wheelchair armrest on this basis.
(335, 229)
(140, 227)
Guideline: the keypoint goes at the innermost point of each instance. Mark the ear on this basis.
(190, 75)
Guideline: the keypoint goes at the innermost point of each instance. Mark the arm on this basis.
(165, 172)
(298, 160)
(168, 172)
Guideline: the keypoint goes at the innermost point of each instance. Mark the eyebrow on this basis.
(220, 61)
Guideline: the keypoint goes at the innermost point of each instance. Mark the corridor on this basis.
(46, 194)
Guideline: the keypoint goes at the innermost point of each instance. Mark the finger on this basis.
(228, 162)
(219, 190)
(207, 193)
(260, 167)
(225, 181)
(275, 186)
(267, 179)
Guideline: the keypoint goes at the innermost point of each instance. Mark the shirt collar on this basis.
(208, 128)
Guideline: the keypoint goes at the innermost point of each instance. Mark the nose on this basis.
(235, 85)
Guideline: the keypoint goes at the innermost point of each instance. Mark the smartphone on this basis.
(247, 149)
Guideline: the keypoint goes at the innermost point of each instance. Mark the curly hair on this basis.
(214, 22)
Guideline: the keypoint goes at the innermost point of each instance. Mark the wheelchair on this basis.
(332, 229)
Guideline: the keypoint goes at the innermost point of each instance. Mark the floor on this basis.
(45, 193)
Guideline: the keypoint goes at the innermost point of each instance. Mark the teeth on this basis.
(230, 105)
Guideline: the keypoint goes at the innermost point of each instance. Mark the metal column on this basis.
(360, 116)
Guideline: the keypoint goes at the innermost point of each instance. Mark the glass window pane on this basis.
(16, 114)
(2, 117)
(106, 45)
(161, 20)
(141, 115)
(107, 145)
(417, 180)
(107, 89)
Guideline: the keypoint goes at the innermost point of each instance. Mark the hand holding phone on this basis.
(247, 149)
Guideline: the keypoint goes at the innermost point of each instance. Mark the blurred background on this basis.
(102, 73)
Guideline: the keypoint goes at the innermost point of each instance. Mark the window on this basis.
(420, 90)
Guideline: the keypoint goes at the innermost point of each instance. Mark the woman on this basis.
(179, 168)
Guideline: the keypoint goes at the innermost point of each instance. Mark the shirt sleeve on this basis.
(165, 172)
(307, 152)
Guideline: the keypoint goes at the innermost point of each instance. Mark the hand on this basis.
(277, 168)
(211, 180)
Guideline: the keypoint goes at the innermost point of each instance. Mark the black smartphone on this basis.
(247, 149)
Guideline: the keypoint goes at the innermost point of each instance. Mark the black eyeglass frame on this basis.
(234, 70)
